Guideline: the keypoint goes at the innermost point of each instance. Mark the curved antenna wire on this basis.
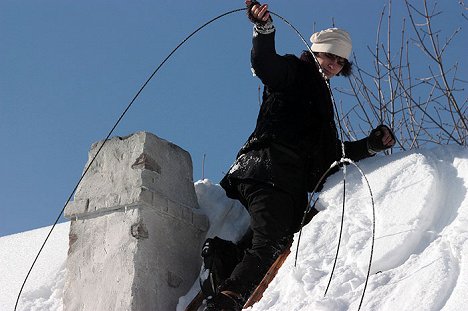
(341, 231)
(343, 159)
(108, 136)
(373, 229)
(333, 165)
(137, 95)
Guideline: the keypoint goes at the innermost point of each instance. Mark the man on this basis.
(294, 143)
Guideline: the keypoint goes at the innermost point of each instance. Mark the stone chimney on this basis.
(136, 228)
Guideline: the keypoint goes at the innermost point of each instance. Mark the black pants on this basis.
(275, 215)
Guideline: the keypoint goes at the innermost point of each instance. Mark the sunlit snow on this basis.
(419, 260)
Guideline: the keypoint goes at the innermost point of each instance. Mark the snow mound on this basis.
(420, 255)
(419, 259)
(43, 290)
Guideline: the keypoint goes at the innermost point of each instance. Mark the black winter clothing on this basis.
(275, 216)
(294, 142)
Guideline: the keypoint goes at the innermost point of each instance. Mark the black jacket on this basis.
(295, 139)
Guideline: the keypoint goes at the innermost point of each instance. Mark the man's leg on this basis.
(272, 216)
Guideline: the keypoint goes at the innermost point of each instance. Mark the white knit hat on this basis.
(332, 40)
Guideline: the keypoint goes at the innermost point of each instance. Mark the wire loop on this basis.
(343, 160)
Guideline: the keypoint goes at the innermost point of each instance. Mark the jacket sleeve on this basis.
(275, 71)
(357, 150)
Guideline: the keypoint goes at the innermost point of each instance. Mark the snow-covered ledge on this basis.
(136, 229)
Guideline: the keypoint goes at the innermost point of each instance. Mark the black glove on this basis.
(250, 15)
(375, 141)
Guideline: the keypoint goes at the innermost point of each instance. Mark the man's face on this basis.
(330, 63)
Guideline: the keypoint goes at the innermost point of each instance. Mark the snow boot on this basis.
(220, 257)
(225, 301)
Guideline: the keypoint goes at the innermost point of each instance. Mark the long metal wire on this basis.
(108, 136)
(343, 160)
(132, 102)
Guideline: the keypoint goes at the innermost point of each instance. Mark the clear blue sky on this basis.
(69, 68)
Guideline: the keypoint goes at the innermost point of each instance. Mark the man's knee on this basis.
(270, 249)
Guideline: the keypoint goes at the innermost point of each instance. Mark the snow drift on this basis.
(420, 256)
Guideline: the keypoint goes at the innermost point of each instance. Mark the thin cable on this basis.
(341, 231)
(137, 95)
(334, 164)
(108, 136)
(343, 156)
(295, 30)
(309, 207)
(373, 230)
(343, 159)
